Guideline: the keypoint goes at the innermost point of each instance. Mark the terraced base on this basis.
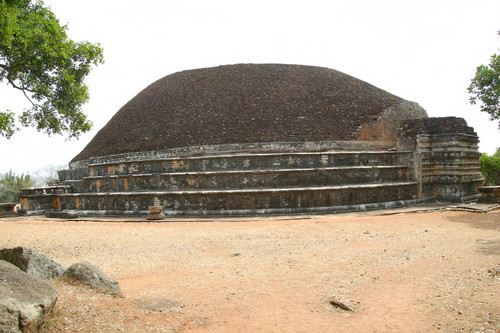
(243, 201)
(245, 179)
(431, 160)
(239, 183)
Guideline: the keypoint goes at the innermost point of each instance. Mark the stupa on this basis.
(265, 139)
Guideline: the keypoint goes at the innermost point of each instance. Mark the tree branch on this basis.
(27, 97)
(11, 69)
(10, 73)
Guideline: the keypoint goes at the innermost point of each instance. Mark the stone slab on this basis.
(60, 214)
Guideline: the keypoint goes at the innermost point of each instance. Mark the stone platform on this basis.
(434, 159)
(242, 183)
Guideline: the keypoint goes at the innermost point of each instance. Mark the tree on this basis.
(38, 59)
(485, 87)
(11, 185)
(47, 175)
(490, 168)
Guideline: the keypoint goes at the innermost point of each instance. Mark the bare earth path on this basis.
(425, 272)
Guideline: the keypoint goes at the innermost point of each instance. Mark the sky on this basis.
(424, 51)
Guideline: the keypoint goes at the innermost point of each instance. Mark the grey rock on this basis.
(25, 301)
(32, 262)
(89, 274)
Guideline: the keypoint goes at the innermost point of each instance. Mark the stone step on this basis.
(249, 161)
(244, 201)
(237, 179)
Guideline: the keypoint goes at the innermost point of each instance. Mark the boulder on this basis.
(89, 274)
(25, 301)
(32, 262)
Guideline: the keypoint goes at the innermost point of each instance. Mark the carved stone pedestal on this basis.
(156, 213)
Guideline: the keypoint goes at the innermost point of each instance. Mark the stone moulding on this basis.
(212, 150)
(268, 211)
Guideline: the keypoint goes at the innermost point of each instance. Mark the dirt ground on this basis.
(420, 272)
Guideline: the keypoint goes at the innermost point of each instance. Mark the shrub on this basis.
(11, 185)
(490, 167)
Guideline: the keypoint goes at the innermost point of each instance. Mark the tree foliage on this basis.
(485, 87)
(38, 59)
(11, 185)
(490, 167)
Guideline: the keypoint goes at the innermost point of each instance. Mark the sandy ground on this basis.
(424, 272)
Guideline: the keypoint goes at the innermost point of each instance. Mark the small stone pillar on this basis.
(156, 213)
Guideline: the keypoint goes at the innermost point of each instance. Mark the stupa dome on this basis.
(251, 103)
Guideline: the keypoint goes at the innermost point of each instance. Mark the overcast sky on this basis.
(424, 51)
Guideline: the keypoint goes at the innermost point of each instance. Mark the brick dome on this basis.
(251, 103)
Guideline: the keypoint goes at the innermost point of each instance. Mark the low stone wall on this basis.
(46, 190)
(40, 199)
